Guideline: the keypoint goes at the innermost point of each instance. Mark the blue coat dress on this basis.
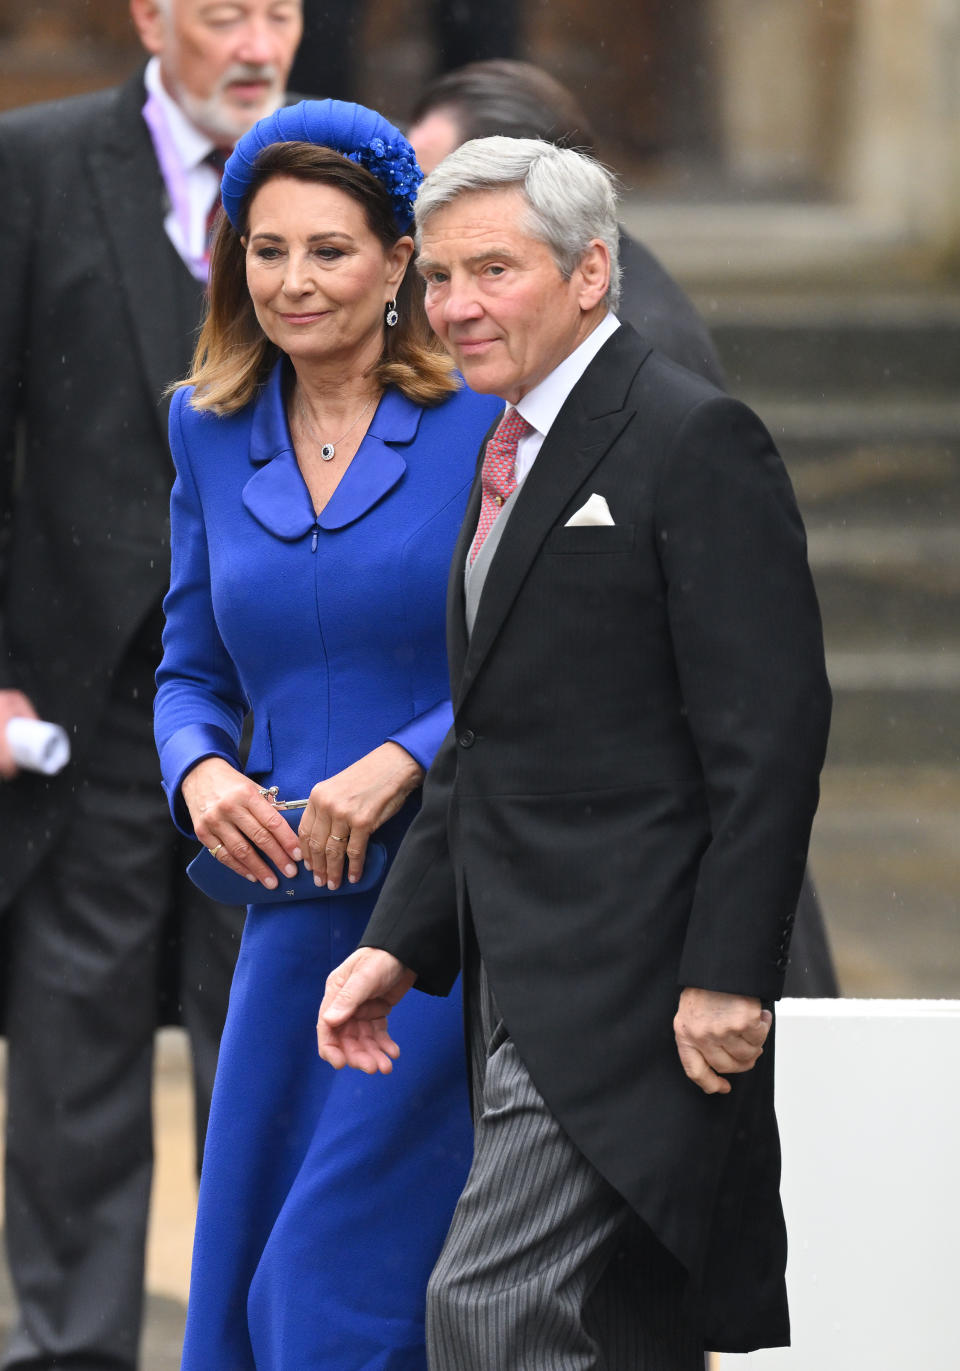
(325, 1197)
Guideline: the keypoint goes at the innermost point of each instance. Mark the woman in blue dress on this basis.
(324, 451)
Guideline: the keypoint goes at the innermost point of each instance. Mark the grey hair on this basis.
(571, 199)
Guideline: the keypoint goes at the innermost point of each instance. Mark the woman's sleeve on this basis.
(200, 703)
(423, 735)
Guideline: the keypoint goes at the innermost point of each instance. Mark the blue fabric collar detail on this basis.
(276, 494)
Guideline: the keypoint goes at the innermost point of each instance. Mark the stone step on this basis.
(908, 488)
(890, 669)
(886, 861)
(826, 426)
(904, 548)
(890, 600)
(870, 610)
(836, 345)
(739, 246)
(898, 725)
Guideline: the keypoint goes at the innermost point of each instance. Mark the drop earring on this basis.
(391, 318)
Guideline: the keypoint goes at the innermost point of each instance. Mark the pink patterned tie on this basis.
(499, 473)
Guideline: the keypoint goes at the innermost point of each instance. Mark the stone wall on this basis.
(49, 48)
(855, 100)
(903, 145)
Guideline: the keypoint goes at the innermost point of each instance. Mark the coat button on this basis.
(467, 738)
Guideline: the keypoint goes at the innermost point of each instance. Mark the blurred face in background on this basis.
(225, 62)
(434, 137)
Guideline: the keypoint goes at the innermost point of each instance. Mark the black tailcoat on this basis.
(625, 800)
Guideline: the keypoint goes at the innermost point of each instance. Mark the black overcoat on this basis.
(661, 311)
(625, 800)
(98, 315)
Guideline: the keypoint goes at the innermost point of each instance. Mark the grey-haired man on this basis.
(107, 204)
(619, 816)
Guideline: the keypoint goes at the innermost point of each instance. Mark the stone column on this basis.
(766, 60)
(903, 153)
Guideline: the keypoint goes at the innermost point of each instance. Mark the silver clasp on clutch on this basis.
(272, 794)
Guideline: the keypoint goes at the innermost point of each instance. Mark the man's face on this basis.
(495, 296)
(225, 62)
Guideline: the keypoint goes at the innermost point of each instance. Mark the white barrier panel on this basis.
(868, 1098)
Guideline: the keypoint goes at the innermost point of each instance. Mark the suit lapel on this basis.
(592, 418)
(162, 300)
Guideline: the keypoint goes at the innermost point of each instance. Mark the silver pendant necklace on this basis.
(329, 450)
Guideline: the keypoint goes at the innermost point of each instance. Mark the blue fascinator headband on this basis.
(360, 134)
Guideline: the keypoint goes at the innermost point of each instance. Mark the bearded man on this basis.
(108, 203)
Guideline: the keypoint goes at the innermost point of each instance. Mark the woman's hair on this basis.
(570, 199)
(512, 98)
(233, 356)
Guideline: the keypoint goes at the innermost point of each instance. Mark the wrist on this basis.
(411, 770)
(196, 782)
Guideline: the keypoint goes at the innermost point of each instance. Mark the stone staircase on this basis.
(860, 386)
(831, 324)
(862, 393)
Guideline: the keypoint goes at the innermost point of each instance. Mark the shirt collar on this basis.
(541, 405)
(191, 145)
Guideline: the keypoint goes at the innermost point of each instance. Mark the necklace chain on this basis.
(329, 450)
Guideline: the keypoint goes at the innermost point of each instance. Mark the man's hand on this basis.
(352, 1023)
(718, 1034)
(13, 705)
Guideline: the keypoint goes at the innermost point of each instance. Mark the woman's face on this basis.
(318, 278)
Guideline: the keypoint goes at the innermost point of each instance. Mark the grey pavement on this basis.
(171, 1222)
(163, 1332)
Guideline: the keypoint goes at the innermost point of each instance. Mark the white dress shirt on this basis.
(541, 405)
(186, 220)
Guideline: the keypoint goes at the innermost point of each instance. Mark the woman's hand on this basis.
(345, 809)
(232, 820)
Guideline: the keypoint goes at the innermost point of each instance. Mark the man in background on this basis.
(108, 204)
(520, 100)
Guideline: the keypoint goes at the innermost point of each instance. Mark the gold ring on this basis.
(214, 850)
(335, 838)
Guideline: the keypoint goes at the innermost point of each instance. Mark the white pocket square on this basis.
(595, 511)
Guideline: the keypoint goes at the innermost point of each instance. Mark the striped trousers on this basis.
(545, 1267)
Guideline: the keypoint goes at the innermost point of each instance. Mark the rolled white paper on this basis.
(38, 746)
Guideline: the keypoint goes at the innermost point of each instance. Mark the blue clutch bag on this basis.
(220, 883)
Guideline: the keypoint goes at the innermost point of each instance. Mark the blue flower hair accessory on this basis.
(360, 134)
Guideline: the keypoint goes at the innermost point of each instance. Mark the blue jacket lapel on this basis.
(276, 494)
